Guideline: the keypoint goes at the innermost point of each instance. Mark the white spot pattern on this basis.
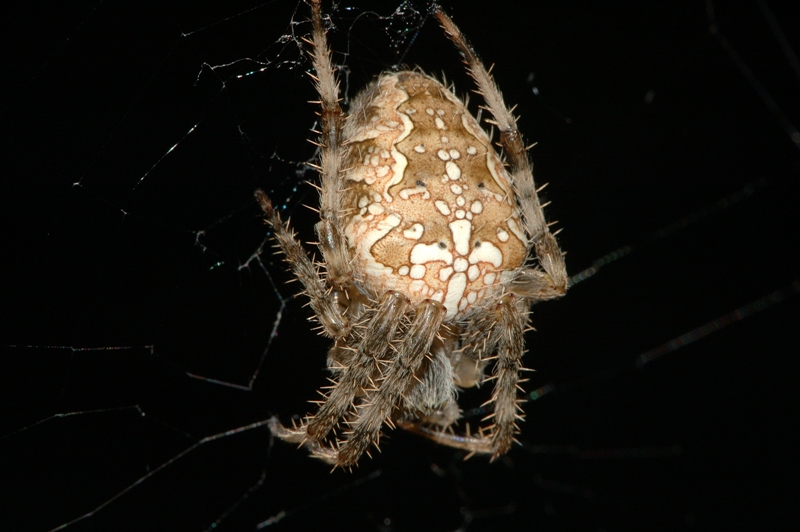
(451, 168)
(450, 269)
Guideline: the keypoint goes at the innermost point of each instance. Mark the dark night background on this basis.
(129, 267)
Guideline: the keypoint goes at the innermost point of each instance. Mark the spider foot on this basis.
(337, 455)
(484, 442)
(294, 435)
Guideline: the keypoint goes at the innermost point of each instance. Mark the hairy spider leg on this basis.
(359, 373)
(365, 429)
(549, 255)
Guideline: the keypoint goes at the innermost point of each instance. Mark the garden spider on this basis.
(432, 254)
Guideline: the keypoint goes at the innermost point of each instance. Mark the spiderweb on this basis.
(149, 331)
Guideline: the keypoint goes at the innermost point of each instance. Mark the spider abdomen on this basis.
(429, 208)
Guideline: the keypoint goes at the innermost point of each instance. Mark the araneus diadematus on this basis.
(428, 244)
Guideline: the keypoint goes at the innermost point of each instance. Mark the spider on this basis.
(433, 251)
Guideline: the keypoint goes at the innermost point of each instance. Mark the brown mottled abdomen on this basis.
(429, 212)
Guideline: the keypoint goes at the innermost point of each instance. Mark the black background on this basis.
(130, 266)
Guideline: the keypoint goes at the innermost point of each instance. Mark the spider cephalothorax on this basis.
(433, 252)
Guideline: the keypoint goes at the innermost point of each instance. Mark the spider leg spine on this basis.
(417, 341)
(378, 335)
(522, 173)
(329, 316)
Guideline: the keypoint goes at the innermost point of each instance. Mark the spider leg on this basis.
(298, 435)
(512, 316)
(358, 376)
(326, 308)
(549, 254)
(474, 444)
(365, 428)
(375, 342)
(332, 152)
(497, 330)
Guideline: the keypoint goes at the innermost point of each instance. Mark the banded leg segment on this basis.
(327, 311)
(512, 317)
(497, 334)
(550, 257)
(363, 367)
(504, 119)
(332, 152)
(378, 407)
